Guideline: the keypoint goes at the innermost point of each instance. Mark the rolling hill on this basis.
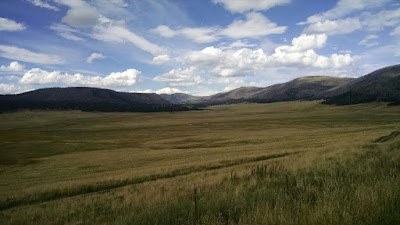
(380, 85)
(86, 99)
(304, 88)
(180, 98)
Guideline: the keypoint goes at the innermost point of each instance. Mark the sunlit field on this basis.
(281, 163)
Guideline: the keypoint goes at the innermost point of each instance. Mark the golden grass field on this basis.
(280, 163)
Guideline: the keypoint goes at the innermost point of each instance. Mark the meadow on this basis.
(281, 163)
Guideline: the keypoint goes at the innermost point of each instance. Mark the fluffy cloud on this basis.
(245, 61)
(21, 54)
(369, 40)
(161, 59)
(43, 4)
(180, 77)
(95, 56)
(10, 25)
(332, 27)
(255, 25)
(66, 32)
(302, 53)
(13, 67)
(168, 90)
(11, 89)
(305, 42)
(344, 8)
(80, 13)
(240, 6)
(207, 56)
(110, 31)
(310, 58)
(116, 79)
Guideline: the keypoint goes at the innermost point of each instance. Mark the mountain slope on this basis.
(180, 98)
(304, 88)
(236, 95)
(86, 99)
(380, 85)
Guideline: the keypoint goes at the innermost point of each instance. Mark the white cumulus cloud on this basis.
(13, 67)
(80, 13)
(169, 90)
(11, 89)
(207, 56)
(305, 42)
(115, 79)
(310, 58)
(246, 61)
(95, 56)
(161, 59)
(21, 54)
(10, 25)
(180, 77)
(241, 6)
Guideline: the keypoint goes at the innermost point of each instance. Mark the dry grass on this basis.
(140, 168)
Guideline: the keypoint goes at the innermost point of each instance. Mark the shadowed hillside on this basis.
(85, 99)
(380, 85)
(303, 88)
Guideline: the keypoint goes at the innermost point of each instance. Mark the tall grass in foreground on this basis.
(363, 188)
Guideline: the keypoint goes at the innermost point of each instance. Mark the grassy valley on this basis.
(280, 163)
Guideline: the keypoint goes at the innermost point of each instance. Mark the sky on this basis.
(198, 47)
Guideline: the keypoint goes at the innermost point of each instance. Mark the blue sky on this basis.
(199, 47)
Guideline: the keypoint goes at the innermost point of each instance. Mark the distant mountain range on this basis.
(380, 85)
